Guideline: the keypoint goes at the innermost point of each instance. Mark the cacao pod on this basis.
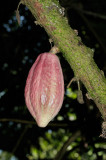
(44, 90)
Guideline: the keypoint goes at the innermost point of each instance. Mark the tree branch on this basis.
(92, 30)
(96, 15)
(73, 124)
(19, 141)
(71, 139)
(50, 16)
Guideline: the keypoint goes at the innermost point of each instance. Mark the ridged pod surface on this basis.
(44, 90)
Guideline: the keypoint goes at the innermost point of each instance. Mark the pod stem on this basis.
(54, 50)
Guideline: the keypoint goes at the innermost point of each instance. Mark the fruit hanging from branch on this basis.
(44, 90)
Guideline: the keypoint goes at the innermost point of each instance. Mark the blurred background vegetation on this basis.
(74, 132)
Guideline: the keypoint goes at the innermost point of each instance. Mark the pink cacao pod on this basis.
(44, 90)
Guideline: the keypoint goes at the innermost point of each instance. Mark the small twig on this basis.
(51, 124)
(72, 80)
(103, 135)
(20, 139)
(17, 13)
(96, 15)
(71, 139)
(16, 120)
(79, 94)
(81, 10)
(92, 30)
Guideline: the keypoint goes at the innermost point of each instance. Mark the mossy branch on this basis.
(49, 14)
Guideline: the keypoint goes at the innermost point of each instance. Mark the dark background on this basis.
(19, 47)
